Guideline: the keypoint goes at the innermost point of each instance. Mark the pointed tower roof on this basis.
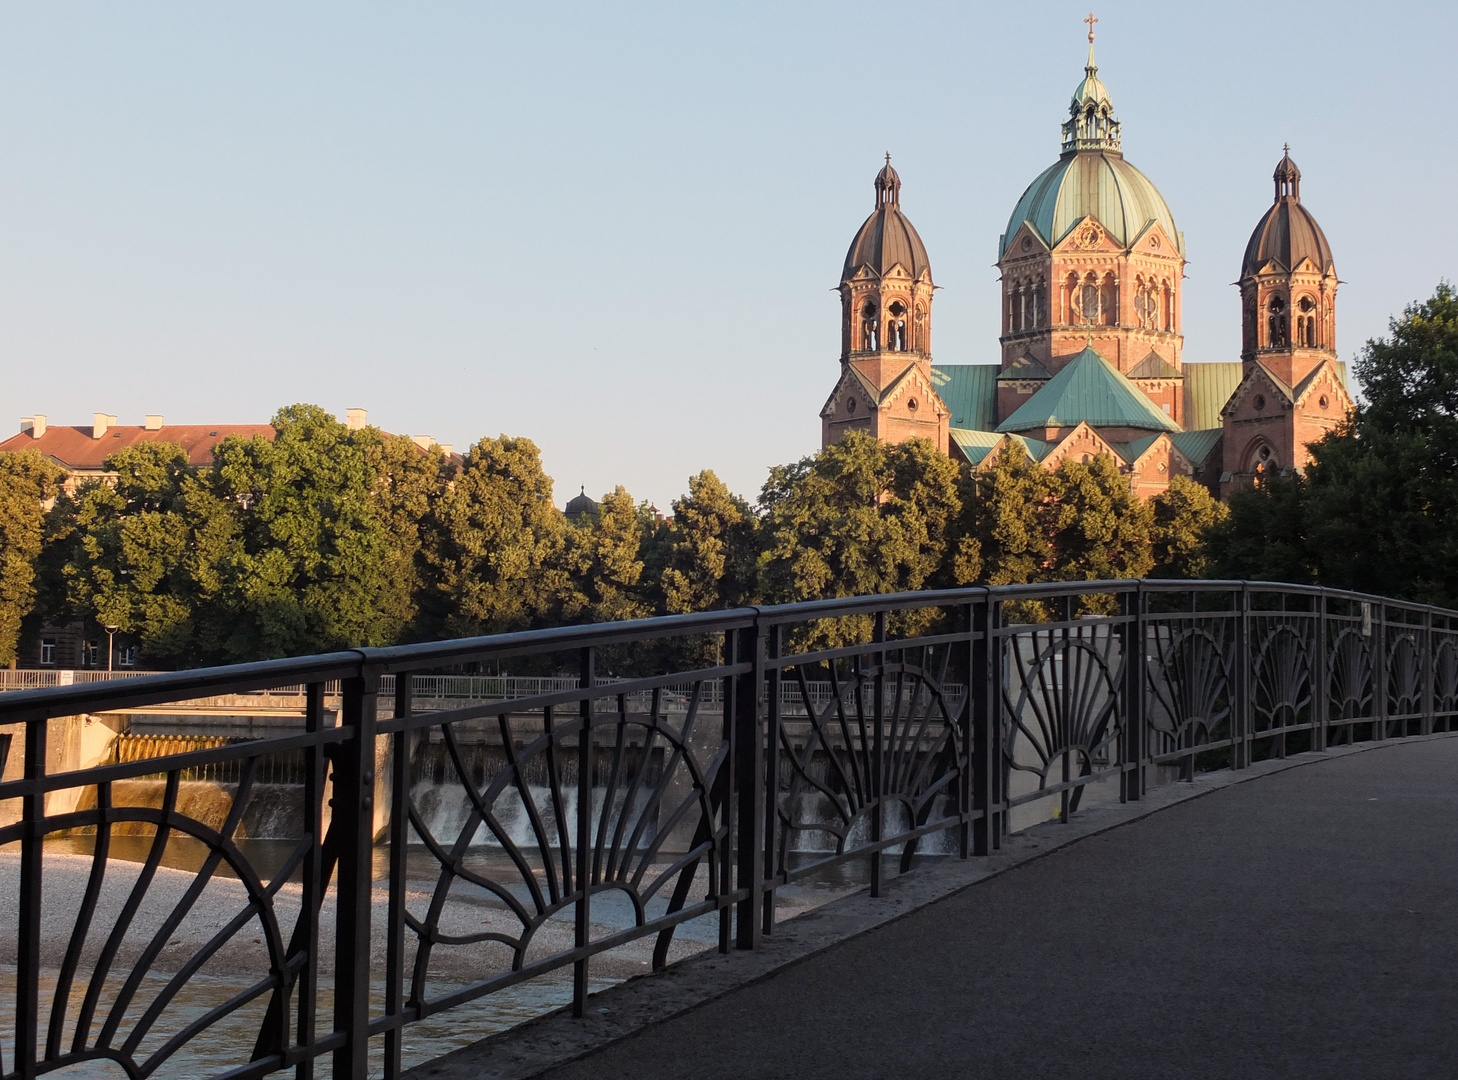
(1287, 233)
(887, 237)
(1088, 389)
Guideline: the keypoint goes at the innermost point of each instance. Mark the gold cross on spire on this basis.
(1091, 20)
(888, 157)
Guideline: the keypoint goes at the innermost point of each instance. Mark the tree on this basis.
(860, 517)
(606, 565)
(310, 571)
(1005, 535)
(711, 561)
(28, 481)
(130, 560)
(409, 483)
(496, 544)
(1101, 530)
(1264, 537)
(1183, 514)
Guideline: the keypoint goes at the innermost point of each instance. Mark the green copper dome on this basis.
(1091, 179)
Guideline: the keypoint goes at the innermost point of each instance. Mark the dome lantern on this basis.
(1091, 124)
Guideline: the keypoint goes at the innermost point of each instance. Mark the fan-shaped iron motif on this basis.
(645, 783)
(1061, 697)
(1404, 681)
(1349, 678)
(133, 1016)
(1282, 685)
(1445, 685)
(846, 759)
(1188, 684)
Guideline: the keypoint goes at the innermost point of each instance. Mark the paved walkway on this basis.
(1301, 925)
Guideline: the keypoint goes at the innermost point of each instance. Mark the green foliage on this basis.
(133, 555)
(1182, 515)
(711, 560)
(1005, 534)
(604, 557)
(27, 481)
(496, 551)
(858, 518)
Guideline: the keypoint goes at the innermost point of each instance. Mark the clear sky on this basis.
(616, 229)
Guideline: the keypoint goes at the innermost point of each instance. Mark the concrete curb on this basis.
(629, 1008)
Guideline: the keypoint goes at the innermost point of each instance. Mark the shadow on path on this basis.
(1303, 925)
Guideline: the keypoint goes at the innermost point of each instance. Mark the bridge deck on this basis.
(1301, 925)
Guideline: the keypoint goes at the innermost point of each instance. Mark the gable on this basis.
(1088, 389)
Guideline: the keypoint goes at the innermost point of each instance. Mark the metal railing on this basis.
(761, 745)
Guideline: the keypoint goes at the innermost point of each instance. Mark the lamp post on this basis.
(110, 632)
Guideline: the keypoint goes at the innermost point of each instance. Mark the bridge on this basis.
(449, 868)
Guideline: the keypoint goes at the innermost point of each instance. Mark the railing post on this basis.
(1379, 673)
(1131, 777)
(1426, 725)
(878, 752)
(769, 797)
(1321, 681)
(399, 795)
(1240, 717)
(353, 815)
(749, 794)
(582, 933)
(985, 706)
(28, 935)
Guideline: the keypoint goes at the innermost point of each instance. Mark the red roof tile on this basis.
(74, 447)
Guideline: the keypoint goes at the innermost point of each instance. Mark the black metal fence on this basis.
(763, 745)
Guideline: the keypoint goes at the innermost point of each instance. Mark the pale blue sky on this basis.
(615, 228)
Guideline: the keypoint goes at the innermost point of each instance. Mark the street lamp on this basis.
(110, 632)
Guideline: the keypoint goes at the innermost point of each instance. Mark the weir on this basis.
(337, 859)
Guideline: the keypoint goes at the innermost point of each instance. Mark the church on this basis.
(1090, 362)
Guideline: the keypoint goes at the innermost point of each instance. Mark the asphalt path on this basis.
(1300, 925)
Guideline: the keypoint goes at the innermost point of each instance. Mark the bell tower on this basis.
(1292, 390)
(885, 386)
(1288, 285)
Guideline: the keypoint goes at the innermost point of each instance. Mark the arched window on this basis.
(1040, 303)
(1263, 463)
(870, 331)
(1250, 325)
(919, 329)
(1306, 322)
(1069, 301)
(1109, 301)
(896, 327)
(1277, 332)
(1089, 300)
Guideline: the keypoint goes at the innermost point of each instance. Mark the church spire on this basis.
(1091, 124)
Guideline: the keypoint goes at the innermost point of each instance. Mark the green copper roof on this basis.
(1088, 388)
(976, 445)
(970, 391)
(1196, 445)
(1207, 388)
(1091, 183)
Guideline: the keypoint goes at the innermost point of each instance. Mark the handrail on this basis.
(731, 754)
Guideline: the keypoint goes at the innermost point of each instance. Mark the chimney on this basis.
(425, 442)
(36, 425)
(153, 423)
(445, 448)
(354, 419)
(100, 422)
